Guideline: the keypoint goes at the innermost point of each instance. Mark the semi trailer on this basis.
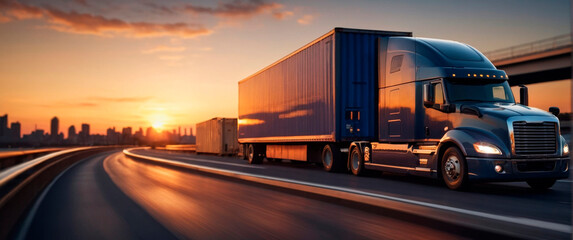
(217, 136)
(357, 100)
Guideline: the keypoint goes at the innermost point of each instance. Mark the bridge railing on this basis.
(529, 48)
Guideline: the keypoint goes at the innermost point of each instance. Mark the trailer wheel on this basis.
(330, 157)
(245, 149)
(454, 170)
(541, 184)
(356, 162)
(254, 154)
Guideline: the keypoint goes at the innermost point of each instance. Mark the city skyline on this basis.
(11, 134)
(128, 63)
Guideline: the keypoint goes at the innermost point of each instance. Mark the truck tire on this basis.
(245, 150)
(331, 160)
(541, 184)
(453, 169)
(356, 162)
(254, 154)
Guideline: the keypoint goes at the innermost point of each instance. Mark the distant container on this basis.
(218, 136)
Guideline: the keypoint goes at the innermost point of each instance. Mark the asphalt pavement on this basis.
(111, 196)
(83, 203)
(513, 200)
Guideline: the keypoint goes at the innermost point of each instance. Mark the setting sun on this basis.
(159, 120)
(158, 125)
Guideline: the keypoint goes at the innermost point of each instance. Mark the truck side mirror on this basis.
(523, 95)
(428, 96)
(554, 110)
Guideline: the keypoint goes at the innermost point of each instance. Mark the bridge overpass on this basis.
(535, 62)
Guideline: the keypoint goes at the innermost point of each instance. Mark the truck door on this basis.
(437, 117)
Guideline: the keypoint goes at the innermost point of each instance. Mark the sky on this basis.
(175, 63)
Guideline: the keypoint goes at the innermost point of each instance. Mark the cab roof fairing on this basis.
(437, 58)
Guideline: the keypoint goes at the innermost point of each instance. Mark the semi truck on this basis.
(217, 136)
(358, 100)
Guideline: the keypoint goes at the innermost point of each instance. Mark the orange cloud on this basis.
(306, 19)
(98, 25)
(121, 99)
(282, 14)
(16, 11)
(85, 23)
(238, 8)
(163, 48)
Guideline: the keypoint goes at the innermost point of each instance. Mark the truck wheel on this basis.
(541, 184)
(245, 152)
(254, 154)
(331, 158)
(453, 169)
(356, 162)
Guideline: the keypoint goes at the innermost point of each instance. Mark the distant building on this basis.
(112, 136)
(126, 136)
(188, 139)
(15, 131)
(138, 137)
(3, 126)
(72, 135)
(126, 131)
(139, 133)
(72, 132)
(85, 129)
(84, 137)
(149, 133)
(55, 126)
(55, 137)
(36, 138)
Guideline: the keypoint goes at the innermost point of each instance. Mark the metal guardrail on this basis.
(529, 48)
(12, 158)
(13, 172)
(180, 147)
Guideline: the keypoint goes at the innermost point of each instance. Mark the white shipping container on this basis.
(218, 136)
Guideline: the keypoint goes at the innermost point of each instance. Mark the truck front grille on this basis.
(535, 138)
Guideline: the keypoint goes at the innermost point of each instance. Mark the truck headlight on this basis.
(565, 149)
(486, 148)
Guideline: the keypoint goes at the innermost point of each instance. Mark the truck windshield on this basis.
(460, 90)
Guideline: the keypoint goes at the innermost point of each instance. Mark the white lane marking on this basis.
(223, 163)
(217, 162)
(565, 180)
(515, 220)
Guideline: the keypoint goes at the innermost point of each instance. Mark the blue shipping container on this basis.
(325, 91)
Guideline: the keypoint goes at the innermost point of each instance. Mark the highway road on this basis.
(110, 196)
(515, 200)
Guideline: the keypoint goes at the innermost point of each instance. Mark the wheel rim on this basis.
(452, 168)
(355, 160)
(327, 158)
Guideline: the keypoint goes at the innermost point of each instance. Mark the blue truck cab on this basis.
(454, 116)
(356, 99)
